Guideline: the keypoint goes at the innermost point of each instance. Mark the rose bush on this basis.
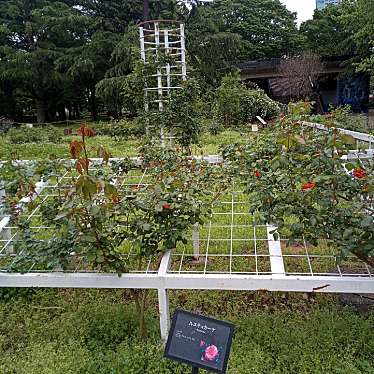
(94, 221)
(294, 172)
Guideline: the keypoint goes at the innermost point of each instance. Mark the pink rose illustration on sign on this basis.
(211, 353)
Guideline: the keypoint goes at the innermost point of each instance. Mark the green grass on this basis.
(93, 331)
(38, 151)
(209, 144)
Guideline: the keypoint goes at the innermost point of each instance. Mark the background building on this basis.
(320, 4)
(335, 86)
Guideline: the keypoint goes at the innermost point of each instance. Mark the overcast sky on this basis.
(304, 8)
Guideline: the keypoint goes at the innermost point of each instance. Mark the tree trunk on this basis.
(145, 10)
(93, 104)
(140, 299)
(40, 110)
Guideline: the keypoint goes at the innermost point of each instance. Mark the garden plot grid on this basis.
(229, 243)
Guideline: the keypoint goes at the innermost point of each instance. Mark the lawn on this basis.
(209, 144)
(93, 331)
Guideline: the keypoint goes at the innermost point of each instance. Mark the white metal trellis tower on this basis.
(163, 42)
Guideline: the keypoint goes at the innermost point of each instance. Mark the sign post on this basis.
(199, 341)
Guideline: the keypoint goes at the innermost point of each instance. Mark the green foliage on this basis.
(9, 294)
(344, 30)
(295, 172)
(120, 87)
(222, 32)
(125, 147)
(36, 35)
(358, 20)
(121, 130)
(83, 55)
(236, 105)
(325, 34)
(182, 115)
(93, 221)
(93, 331)
(24, 134)
(344, 118)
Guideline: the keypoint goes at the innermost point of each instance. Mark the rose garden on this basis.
(187, 189)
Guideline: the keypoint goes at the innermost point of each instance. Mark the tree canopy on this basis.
(73, 56)
(344, 30)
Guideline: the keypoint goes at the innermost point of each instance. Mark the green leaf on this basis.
(89, 238)
(61, 215)
(348, 139)
(349, 166)
(110, 190)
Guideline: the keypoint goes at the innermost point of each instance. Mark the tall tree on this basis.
(145, 10)
(267, 28)
(222, 32)
(38, 32)
(358, 19)
(325, 34)
(343, 30)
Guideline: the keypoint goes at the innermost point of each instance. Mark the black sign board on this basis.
(199, 341)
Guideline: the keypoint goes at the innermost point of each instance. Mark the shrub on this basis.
(103, 128)
(344, 118)
(179, 197)
(23, 134)
(125, 129)
(236, 105)
(120, 130)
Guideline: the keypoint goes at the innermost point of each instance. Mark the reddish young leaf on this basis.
(82, 165)
(86, 131)
(76, 148)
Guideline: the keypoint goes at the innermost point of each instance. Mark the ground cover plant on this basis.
(92, 331)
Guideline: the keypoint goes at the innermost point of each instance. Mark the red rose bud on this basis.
(166, 206)
(116, 199)
(359, 173)
(308, 186)
(257, 174)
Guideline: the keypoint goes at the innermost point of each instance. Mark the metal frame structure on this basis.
(166, 37)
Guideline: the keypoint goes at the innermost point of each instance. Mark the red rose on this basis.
(257, 174)
(166, 206)
(359, 173)
(308, 186)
